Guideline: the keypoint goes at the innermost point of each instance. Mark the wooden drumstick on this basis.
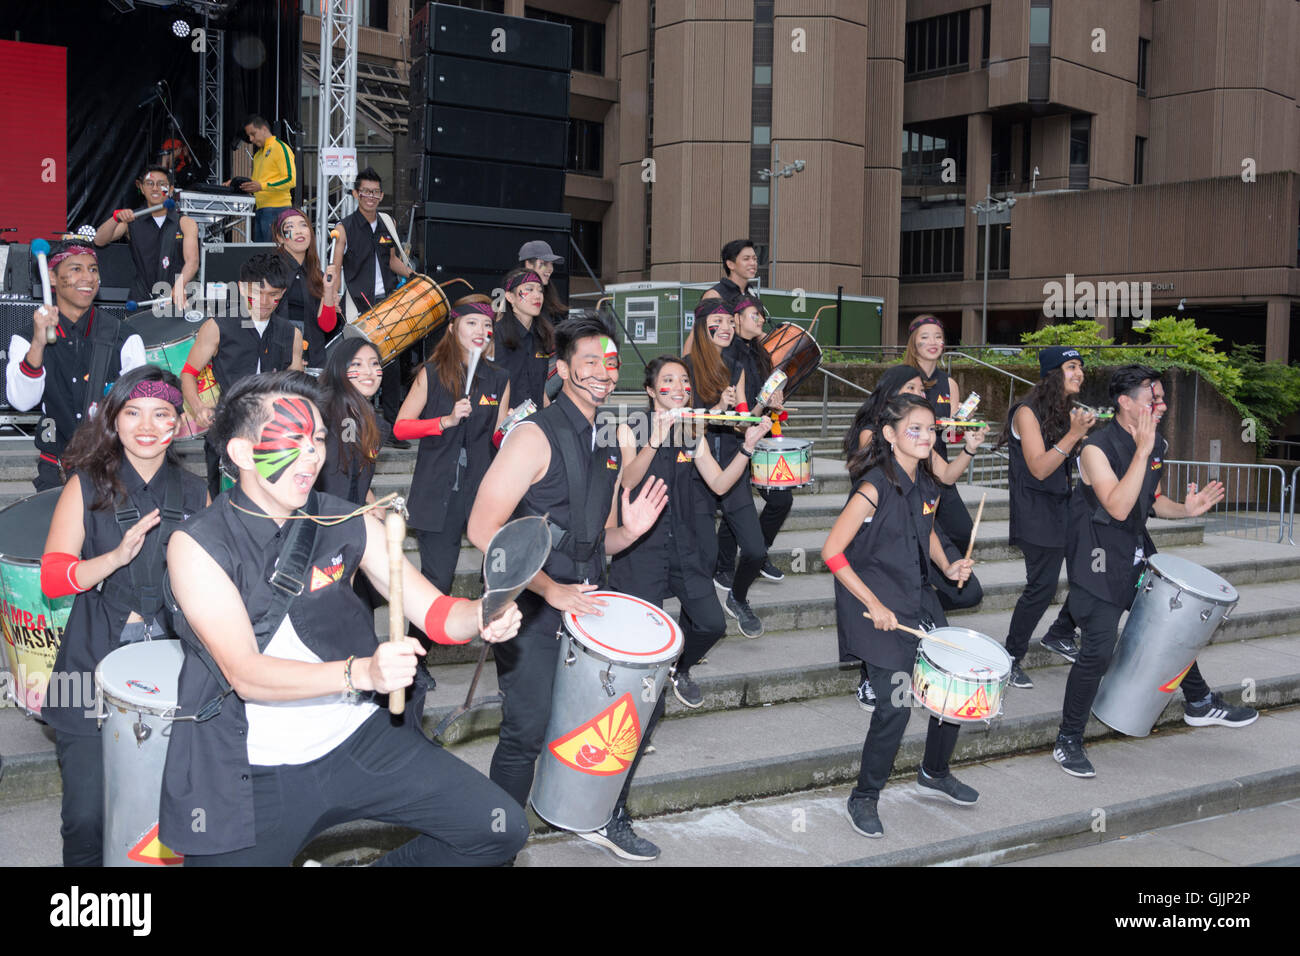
(395, 526)
(970, 548)
(923, 635)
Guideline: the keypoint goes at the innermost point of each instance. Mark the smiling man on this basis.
(282, 653)
(274, 175)
(739, 267)
(68, 378)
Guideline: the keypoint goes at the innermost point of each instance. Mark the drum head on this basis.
(142, 676)
(783, 444)
(980, 656)
(24, 525)
(158, 330)
(629, 630)
(1190, 576)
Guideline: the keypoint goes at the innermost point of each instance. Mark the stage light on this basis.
(86, 232)
(181, 28)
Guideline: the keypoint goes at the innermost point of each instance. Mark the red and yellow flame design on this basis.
(604, 745)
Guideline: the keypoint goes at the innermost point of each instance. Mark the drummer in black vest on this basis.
(254, 341)
(68, 379)
(164, 246)
(551, 464)
(1119, 487)
(454, 426)
(739, 267)
(523, 339)
(1041, 434)
(881, 550)
(127, 492)
(310, 302)
(372, 267)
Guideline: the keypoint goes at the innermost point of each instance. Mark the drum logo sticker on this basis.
(782, 471)
(489, 400)
(1156, 464)
(323, 578)
(142, 687)
(611, 463)
(683, 458)
(604, 745)
(1172, 685)
(151, 851)
(977, 705)
(928, 507)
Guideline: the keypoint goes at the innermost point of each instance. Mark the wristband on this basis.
(1063, 454)
(965, 451)
(328, 318)
(116, 213)
(190, 369)
(742, 407)
(746, 452)
(1157, 496)
(58, 574)
(836, 561)
(407, 428)
(435, 619)
(352, 693)
(498, 437)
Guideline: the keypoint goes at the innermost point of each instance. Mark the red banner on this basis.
(34, 130)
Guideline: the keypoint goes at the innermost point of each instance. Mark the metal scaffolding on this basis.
(212, 74)
(337, 123)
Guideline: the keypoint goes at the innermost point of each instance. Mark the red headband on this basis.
(519, 280)
(152, 388)
(55, 259)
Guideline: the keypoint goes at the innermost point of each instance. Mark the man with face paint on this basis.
(255, 341)
(552, 464)
(68, 378)
(299, 742)
(164, 247)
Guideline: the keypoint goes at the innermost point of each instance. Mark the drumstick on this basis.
(41, 249)
(925, 635)
(396, 528)
(970, 548)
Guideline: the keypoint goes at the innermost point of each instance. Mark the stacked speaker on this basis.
(489, 134)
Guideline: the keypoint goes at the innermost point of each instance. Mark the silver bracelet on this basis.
(1063, 454)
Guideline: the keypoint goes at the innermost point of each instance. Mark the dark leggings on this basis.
(740, 524)
(1042, 571)
(779, 502)
(81, 765)
(894, 705)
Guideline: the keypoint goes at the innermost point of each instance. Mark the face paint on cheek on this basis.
(279, 446)
(610, 350)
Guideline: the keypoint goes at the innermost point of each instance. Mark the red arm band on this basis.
(116, 213)
(407, 428)
(836, 561)
(187, 368)
(57, 574)
(1157, 496)
(435, 620)
(742, 407)
(328, 318)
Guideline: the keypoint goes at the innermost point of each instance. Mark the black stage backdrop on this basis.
(116, 122)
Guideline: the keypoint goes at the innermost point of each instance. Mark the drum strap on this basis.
(586, 508)
(287, 582)
(392, 231)
(145, 593)
(103, 337)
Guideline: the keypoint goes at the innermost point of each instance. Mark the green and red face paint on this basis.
(281, 441)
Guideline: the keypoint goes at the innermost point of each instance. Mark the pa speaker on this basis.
(442, 179)
(483, 252)
(526, 140)
(486, 85)
(440, 28)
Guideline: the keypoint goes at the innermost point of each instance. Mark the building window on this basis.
(1080, 139)
(1144, 50)
(926, 147)
(586, 140)
(931, 253)
(586, 236)
(1040, 26)
(762, 135)
(1139, 160)
(999, 250)
(938, 45)
(758, 195)
(984, 40)
(762, 76)
(588, 39)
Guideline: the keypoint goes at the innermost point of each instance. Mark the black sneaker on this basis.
(866, 696)
(1064, 646)
(865, 819)
(771, 571)
(1217, 711)
(749, 623)
(1019, 678)
(686, 690)
(948, 786)
(618, 837)
(1069, 754)
(722, 580)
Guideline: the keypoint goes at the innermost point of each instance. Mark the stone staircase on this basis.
(780, 730)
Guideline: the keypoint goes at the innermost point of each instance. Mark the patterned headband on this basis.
(523, 277)
(279, 220)
(54, 260)
(720, 309)
(481, 308)
(152, 388)
(921, 320)
(746, 302)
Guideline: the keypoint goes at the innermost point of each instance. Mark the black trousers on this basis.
(389, 773)
(1099, 623)
(953, 517)
(740, 525)
(1042, 571)
(47, 475)
(894, 704)
(439, 552)
(779, 501)
(81, 765)
(953, 598)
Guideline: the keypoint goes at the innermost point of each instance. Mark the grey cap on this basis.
(537, 249)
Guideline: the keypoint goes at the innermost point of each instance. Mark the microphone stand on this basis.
(177, 131)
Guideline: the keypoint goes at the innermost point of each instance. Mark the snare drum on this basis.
(965, 683)
(167, 342)
(404, 318)
(782, 463)
(1178, 608)
(793, 351)
(136, 689)
(610, 673)
(33, 624)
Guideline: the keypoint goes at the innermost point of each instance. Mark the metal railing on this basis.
(1295, 489)
(826, 395)
(1255, 504)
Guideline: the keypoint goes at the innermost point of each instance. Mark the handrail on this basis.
(1256, 491)
(1295, 487)
(826, 393)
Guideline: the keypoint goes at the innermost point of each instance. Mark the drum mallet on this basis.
(169, 204)
(970, 548)
(924, 635)
(41, 249)
(395, 526)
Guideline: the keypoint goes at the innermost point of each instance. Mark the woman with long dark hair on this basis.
(350, 380)
(311, 300)
(454, 422)
(1041, 434)
(107, 544)
(523, 338)
(883, 549)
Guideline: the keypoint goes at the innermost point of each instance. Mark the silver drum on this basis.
(611, 671)
(1178, 608)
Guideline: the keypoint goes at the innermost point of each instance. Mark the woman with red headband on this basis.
(523, 337)
(126, 494)
(311, 301)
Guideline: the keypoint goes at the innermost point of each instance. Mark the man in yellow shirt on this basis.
(274, 175)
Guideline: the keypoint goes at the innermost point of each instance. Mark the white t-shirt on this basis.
(261, 330)
(379, 273)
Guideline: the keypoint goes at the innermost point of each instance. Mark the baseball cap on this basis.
(537, 249)
(1054, 356)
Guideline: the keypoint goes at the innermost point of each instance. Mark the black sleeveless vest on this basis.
(1039, 509)
(151, 247)
(241, 348)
